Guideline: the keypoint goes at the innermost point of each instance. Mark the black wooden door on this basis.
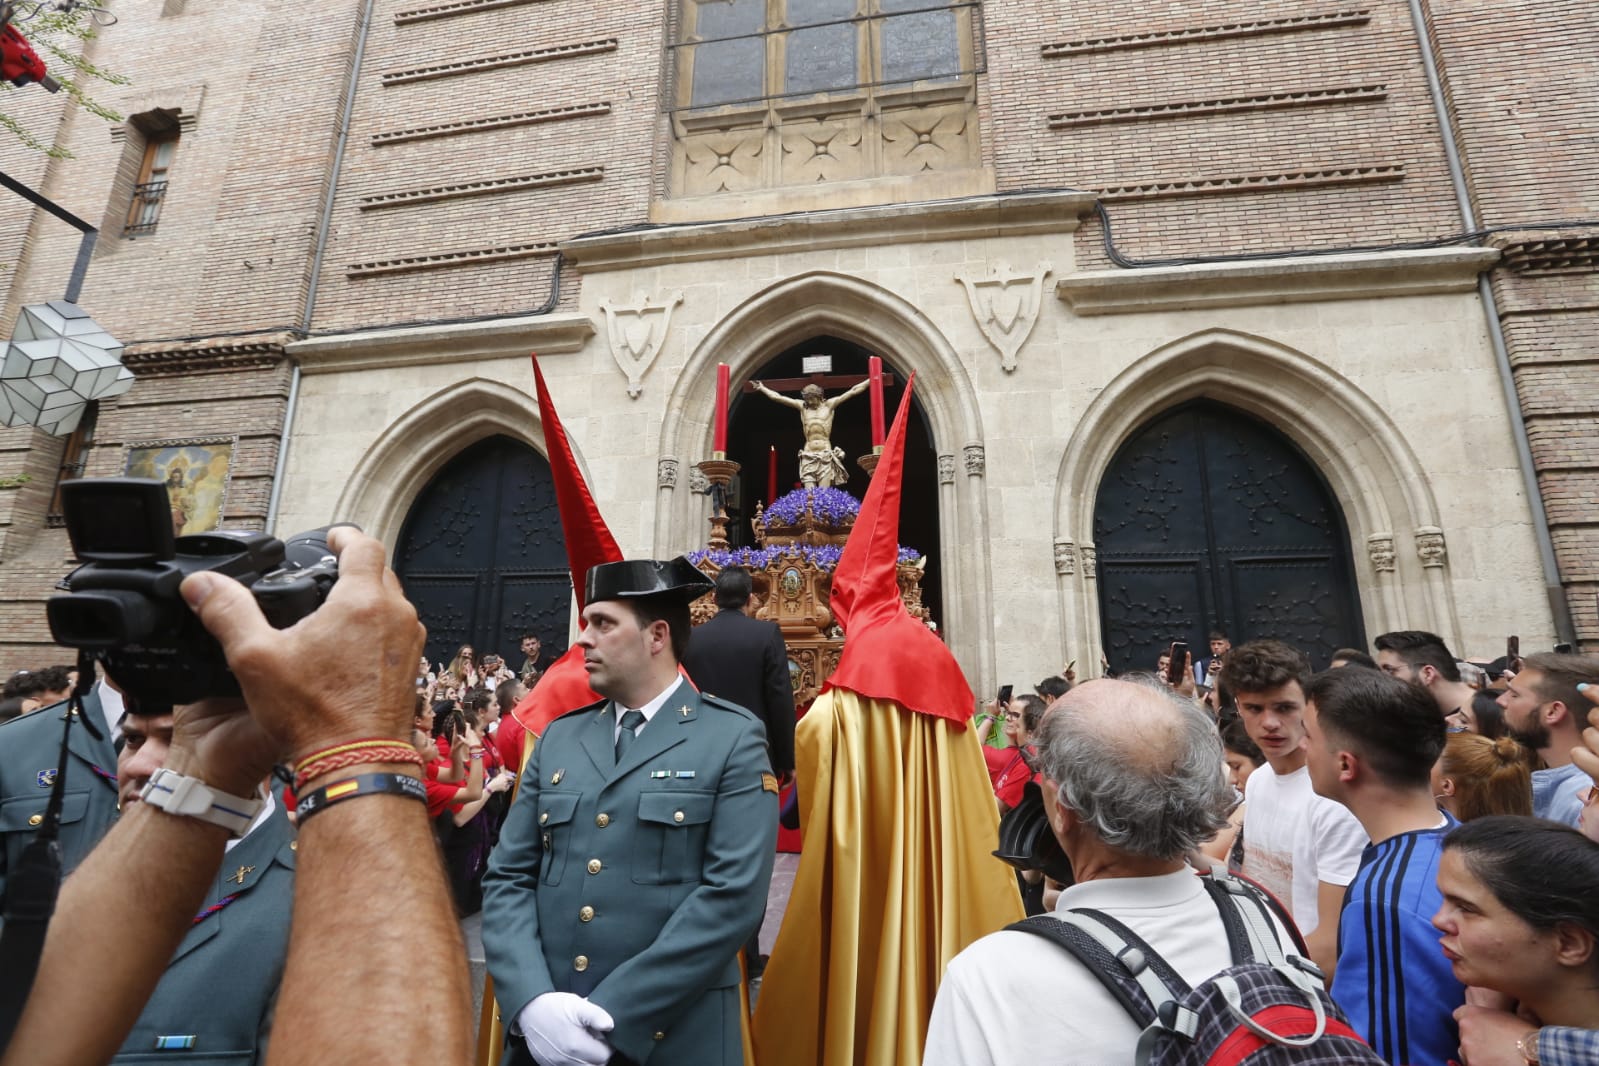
(482, 556)
(1208, 519)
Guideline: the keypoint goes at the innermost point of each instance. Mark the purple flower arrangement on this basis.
(832, 507)
(824, 556)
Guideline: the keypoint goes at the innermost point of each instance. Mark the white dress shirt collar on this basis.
(648, 710)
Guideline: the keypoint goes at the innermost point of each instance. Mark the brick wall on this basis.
(1220, 127)
(1522, 83)
(483, 133)
(260, 84)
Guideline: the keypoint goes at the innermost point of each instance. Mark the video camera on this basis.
(122, 605)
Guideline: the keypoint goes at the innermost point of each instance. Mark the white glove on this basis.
(562, 1029)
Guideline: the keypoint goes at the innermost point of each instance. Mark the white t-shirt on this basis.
(1017, 998)
(1294, 838)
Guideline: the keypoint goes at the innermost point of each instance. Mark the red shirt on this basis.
(1012, 780)
(441, 794)
(442, 797)
(508, 742)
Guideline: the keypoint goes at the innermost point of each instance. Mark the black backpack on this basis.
(1270, 1006)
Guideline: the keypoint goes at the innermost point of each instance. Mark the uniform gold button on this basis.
(36, 819)
(602, 820)
(677, 816)
(660, 1036)
(586, 914)
(294, 845)
(580, 963)
(594, 866)
(544, 818)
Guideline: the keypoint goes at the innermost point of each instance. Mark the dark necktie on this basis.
(624, 740)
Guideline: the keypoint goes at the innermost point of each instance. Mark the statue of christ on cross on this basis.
(820, 464)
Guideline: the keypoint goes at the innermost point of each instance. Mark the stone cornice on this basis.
(970, 218)
(1303, 279)
(206, 355)
(458, 342)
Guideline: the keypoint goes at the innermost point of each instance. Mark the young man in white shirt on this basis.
(1301, 847)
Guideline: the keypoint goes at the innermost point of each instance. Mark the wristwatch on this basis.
(1527, 1047)
(189, 796)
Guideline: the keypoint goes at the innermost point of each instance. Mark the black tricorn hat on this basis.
(634, 579)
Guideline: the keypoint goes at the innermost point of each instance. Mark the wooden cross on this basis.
(826, 381)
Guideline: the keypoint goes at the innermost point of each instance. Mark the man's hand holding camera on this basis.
(344, 936)
(366, 626)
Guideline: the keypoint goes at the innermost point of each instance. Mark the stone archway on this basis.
(405, 457)
(1369, 467)
(1209, 519)
(482, 554)
(823, 302)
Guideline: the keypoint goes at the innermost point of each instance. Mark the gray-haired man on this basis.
(1133, 782)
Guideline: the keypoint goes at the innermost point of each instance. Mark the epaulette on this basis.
(727, 705)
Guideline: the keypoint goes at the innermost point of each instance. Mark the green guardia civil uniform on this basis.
(215, 1002)
(30, 748)
(636, 883)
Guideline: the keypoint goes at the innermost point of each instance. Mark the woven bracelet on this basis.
(365, 785)
(392, 754)
(301, 765)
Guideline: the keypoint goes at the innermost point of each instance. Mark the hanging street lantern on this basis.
(57, 362)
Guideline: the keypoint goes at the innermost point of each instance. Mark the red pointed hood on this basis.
(565, 685)
(888, 654)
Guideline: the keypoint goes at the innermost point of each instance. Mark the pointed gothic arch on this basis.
(825, 302)
(405, 457)
(1367, 463)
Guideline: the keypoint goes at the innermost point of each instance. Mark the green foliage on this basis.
(16, 481)
(59, 37)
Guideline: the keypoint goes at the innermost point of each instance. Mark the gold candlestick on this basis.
(719, 472)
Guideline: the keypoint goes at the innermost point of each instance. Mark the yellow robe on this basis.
(896, 877)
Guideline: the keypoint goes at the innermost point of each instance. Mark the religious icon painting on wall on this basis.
(196, 473)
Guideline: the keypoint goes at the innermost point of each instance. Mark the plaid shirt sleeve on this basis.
(1564, 1046)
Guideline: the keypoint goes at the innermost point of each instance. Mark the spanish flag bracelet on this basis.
(364, 785)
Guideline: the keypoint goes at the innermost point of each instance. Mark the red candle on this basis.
(874, 372)
(771, 475)
(719, 445)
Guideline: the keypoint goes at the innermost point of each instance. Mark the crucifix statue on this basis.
(820, 464)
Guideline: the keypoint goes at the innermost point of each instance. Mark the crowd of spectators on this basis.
(459, 707)
(1402, 807)
(1424, 826)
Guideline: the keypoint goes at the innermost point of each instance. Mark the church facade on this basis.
(1193, 347)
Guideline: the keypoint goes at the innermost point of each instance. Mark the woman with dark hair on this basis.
(1482, 714)
(456, 808)
(1022, 716)
(1476, 776)
(1243, 758)
(1521, 917)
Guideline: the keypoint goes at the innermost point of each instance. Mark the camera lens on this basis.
(304, 550)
